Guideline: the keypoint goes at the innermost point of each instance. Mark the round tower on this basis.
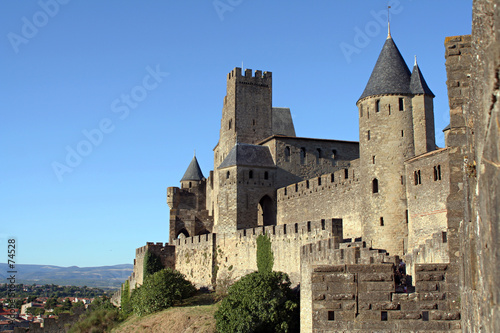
(386, 139)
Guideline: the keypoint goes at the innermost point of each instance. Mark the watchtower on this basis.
(396, 122)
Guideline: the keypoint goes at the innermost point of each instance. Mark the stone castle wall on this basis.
(334, 195)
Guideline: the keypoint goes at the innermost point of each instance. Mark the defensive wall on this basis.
(334, 195)
(206, 259)
(427, 187)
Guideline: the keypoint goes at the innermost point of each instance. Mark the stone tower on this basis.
(395, 122)
(188, 214)
(247, 117)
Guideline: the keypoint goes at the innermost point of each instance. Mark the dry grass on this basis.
(194, 315)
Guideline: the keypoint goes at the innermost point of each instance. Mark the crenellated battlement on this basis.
(258, 74)
(341, 180)
(199, 240)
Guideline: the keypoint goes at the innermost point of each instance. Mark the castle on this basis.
(342, 216)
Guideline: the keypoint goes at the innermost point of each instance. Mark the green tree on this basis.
(152, 264)
(259, 302)
(265, 258)
(126, 305)
(51, 303)
(66, 305)
(160, 290)
(35, 311)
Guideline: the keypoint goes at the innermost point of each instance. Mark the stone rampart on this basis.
(332, 195)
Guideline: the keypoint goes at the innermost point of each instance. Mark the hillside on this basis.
(192, 319)
(100, 276)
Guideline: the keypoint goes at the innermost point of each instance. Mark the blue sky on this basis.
(104, 102)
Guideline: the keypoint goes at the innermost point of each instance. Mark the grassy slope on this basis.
(195, 315)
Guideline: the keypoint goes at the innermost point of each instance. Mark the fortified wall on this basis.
(333, 195)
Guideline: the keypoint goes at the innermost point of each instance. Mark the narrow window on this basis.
(361, 111)
(296, 187)
(308, 226)
(332, 178)
(287, 154)
(368, 135)
(425, 315)
(415, 176)
(377, 105)
(334, 153)
(402, 133)
(285, 190)
(373, 159)
(439, 172)
(227, 175)
(402, 180)
(302, 155)
(346, 173)
(250, 174)
(444, 237)
(381, 221)
(331, 315)
(375, 185)
(389, 107)
(266, 175)
(253, 122)
(406, 216)
(383, 316)
(401, 105)
(323, 227)
(230, 123)
(319, 181)
(284, 229)
(419, 179)
(307, 183)
(190, 184)
(296, 227)
(319, 156)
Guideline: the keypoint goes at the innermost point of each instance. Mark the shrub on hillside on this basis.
(100, 317)
(159, 291)
(259, 302)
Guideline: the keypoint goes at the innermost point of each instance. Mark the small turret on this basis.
(193, 174)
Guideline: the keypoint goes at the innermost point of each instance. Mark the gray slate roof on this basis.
(193, 171)
(390, 74)
(248, 155)
(418, 84)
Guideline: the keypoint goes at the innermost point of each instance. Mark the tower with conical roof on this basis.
(396, 122)
(188, 213)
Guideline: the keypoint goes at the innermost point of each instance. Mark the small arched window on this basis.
(375, 185)
(287, 154)
(302, 155)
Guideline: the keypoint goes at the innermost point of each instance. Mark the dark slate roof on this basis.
(193, 171)
(247, 154)
(418, 84)
(390, 74)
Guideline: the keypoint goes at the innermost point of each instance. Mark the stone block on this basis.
(432, 296)
(318, 297)
(339, 297)
(317, 278)
(440, 315)
(371, 268)
(363, 306)
(376, 277)
(427, 306)
(368, 316)
(426, 286)
(385, 306)
(409, 305)
(339, 278)
(318, 287)
(332, 268)
(429, 277)
(375, 296)
(338, 288)
(347, 306)
(378, 286)
(430, 267)
(404, 315)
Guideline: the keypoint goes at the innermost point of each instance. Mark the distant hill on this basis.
(101, 276)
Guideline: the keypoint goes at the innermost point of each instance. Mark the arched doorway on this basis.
(182, 233)
(266, 211)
